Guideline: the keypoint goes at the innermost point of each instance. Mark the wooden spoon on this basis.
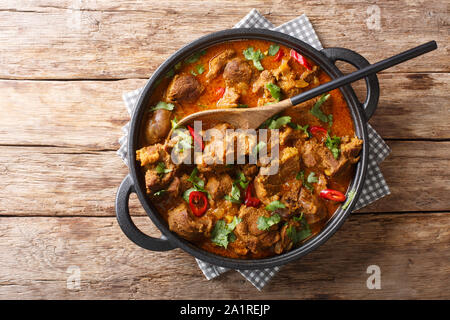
(251, 118)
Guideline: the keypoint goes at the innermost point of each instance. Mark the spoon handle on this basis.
(364, 72)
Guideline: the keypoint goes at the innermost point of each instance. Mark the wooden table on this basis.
(63, 68)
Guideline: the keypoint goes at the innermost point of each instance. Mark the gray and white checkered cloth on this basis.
(375, 186)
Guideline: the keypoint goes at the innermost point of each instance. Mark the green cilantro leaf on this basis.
(235, 194)
(242, 106)
(333, 145)
(159, 193)
(274, 205)
(350, 196)
(200, 69)
(299, 235)
(273, 49)
(195, 57)
(299, 127)
(161, 169)
(279, 122)
(255, 56)
(222, 233)
(316, 111)
(264, 223)
(312, 178)
(163, 105)
(274, 90)
(301, 176)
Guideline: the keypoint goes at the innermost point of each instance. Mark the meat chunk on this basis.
(218, 186)
(249, 170)
(174, 187)
(350, 148)
(288, 80)
(290, 191)
(217, 63)
(312, 206)
(229, 99)
(149, 155)
(184, 88)
(160, 168)
(158, 126)
(188, 226)
(264, 78)
(213, 158)
(290, 136)
(268, 187)
(247, 231)
(236, 71)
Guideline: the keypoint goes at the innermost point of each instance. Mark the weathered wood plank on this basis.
(64, 181)
(95, 39)
(87, 114)
(35, 254)
(418, 177)
(90, 114)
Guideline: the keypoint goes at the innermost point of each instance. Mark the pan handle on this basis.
(127, 225)
(358, 61)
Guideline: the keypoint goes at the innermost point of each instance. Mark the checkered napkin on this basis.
(375, 186)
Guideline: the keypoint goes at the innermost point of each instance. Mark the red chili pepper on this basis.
(333, 195)
(249, 200)
(317, 130)
(197, 138)
(220, 91)
(279, 55)
(300, 59)
(198, 203)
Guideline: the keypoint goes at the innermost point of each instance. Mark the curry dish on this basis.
(235, 210)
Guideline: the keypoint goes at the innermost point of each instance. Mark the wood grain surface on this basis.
(64, 66)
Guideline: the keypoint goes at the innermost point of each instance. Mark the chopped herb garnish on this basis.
(187, 193)
(242, 180)
(177, 66)
(330, 120)
(235, 194)
(333, 145)
(174, 123)
(299, 235)
(255, 56)
(159, 193)
(312, 178)
(273, 49)
(170, 73)
(264, 223)
(185, 141)
(317, 112)
(200, 69)
(196, 180)
(279, 122)
(301, 176)
(298, 219)
(193, 73)
(199, 185)
(274, 90)
(161, 169)
(299, 127)
(163, 105)
(274, 205)
(242, 106)
(350, 196)
(195, 57)
(222, 233)
(258, 148)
